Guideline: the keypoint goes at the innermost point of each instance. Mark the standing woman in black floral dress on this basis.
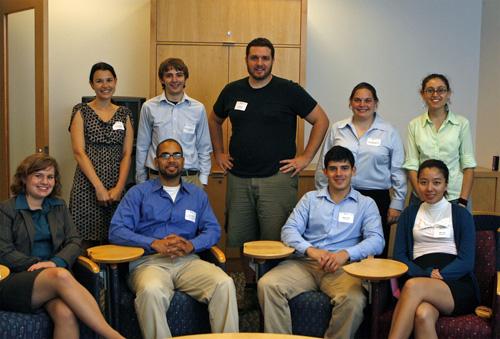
(102, 138)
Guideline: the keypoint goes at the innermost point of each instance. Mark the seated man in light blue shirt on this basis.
(327, 228)
(172, 221)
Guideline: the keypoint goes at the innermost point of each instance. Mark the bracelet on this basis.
(463, 201)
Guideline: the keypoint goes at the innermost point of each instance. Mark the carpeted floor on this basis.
(248, 304)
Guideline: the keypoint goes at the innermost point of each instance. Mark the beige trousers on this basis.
(295, 276)
(154, 278)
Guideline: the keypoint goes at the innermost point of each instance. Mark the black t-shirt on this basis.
(263, 123)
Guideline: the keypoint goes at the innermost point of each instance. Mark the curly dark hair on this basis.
(33, 163)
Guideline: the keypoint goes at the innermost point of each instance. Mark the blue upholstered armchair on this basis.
(184, 316)
(39, 325)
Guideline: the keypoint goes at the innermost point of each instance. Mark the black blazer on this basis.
(17, 234)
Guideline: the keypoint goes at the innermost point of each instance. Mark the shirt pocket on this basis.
(188, 132)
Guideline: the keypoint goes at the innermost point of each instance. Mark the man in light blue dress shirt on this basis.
(327, 228)
(173, 114)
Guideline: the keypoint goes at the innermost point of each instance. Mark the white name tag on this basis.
(241, 105)
(118, 125)
(189, 129)
(346, 217)
(190, 215)
(442, 232)
(373, 142)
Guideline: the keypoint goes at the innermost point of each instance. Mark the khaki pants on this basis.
(295, 276)
(153, 278)
(257, 208)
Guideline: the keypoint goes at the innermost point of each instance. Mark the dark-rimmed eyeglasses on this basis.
(440, 90)
(166, 155)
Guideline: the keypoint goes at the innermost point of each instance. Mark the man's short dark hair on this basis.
(168, 140)
(260, 42)
(339, 153)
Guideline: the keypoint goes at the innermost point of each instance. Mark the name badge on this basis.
(189, 129)
(346, 217)
(118, 125)
(442, 232)
(240, 105)
(190, 216)
(373, 142)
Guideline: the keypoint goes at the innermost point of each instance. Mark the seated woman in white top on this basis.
(437, 242)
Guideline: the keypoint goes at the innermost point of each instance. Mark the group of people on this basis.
(361, 181)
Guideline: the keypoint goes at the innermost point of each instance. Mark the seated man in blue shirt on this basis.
(172, 221)
(327, 228)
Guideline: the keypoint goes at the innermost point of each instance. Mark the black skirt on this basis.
(462, 290)
(16, 291)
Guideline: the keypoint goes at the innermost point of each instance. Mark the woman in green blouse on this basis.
(441, 134)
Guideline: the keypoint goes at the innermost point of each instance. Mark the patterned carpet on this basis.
(248, 304)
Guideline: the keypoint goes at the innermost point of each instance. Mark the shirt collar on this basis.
(22, 203)
(185, 98)
(450, 118)
(378, 123)
(323, 193)
(158, 186)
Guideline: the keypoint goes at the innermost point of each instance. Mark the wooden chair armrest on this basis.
(498, 284)
(218, 254)
(88, 264)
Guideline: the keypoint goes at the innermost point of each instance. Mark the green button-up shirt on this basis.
(452, 144)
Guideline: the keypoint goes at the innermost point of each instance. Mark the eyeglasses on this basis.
(431, 91)
(166, 155)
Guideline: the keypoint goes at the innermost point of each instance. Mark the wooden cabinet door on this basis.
(277, 20)
(191, 20)
(235, 21)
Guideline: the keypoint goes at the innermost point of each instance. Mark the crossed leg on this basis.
(66, 301)
(421, 302)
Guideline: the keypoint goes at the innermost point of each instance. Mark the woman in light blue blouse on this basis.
(441, 134)
(378, 151)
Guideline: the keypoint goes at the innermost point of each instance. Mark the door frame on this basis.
(41, 82)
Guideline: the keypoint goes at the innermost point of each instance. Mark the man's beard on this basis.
(166, 175)
(262, 77)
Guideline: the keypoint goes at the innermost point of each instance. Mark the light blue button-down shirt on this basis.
(353, 225)
(185, 122)
(378, 154)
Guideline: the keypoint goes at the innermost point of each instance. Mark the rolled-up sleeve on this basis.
(412, 155)
(467, 159)
(398, 175)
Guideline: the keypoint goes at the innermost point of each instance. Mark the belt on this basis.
(185, 172)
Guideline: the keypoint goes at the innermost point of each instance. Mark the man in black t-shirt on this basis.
(262, 162)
